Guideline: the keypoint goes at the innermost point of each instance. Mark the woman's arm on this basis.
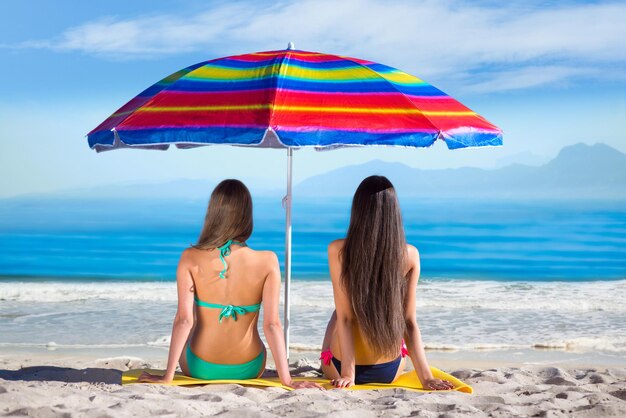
(273, 329)
(345, 319)
(413, 337)
(183, 323)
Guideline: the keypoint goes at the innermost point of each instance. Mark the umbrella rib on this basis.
(275, 93)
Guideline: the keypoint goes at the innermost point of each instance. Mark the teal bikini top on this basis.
(225, 251)
(228, 310)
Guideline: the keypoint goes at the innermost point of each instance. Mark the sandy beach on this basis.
(60, 385)
(66, 344)
(499, 129)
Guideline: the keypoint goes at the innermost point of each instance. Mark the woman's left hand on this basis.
(304, 385)
(146, 377)
(343, 382)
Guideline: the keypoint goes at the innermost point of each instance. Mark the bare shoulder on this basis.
(269, 256)
(264, 257)
(335, 246)
(413, 255)
(188, 256)
(188, 261)
(412, 250)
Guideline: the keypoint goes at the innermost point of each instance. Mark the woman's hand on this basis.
(343, 382)
(146, 377)
(438, 384)
(303, 385)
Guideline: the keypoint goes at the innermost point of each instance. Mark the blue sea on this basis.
(142, 240)
(495, 274)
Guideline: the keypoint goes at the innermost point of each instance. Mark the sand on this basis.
(63, 386)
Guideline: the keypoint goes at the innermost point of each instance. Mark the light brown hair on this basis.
(373, 263)
(228, 216)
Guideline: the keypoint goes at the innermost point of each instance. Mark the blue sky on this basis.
(548, 73)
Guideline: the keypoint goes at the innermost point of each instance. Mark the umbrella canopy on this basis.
(292, 99)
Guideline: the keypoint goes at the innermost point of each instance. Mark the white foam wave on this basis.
(53, 346)
(472, 347)
(581, 345)
(616, 344)
(73, 292)
(305, 347)
(27, 317)
(161, 341)
(606, 296)
(466, 295)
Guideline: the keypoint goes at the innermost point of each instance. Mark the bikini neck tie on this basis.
(231, 311)
(225, 251)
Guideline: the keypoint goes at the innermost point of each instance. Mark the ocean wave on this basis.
(74, 292)
(473, 347)
(464, 295)
(616, 344)
(305, 347)
(163, 341)
(468, 295)
(580, 344)
(27, 317)
(51, 345)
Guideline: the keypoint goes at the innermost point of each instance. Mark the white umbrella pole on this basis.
(288, 248)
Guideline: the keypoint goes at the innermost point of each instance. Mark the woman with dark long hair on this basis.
(222, 284)
(374, 275)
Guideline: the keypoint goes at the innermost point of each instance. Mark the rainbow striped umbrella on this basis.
(292, 99)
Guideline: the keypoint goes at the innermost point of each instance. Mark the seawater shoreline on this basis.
(463, 321)
(38, 278)
(447, 360)
(496, 282)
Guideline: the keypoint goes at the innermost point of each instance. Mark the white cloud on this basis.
(441, 39)
(528, 76)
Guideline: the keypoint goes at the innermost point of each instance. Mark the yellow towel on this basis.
(407, 381)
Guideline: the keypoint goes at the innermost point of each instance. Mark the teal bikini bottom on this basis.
(201, 369)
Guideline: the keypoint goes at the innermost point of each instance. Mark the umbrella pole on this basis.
(288, 248)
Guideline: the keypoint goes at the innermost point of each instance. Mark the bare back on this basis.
(231, 341)
(363, 352)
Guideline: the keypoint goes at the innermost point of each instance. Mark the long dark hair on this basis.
(229, 215)
(373, 263)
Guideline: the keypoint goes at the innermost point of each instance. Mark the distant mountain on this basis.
(181, 189)
(585, 171)
(525, 158)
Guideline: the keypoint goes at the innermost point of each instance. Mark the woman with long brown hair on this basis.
(222, 284)
(374, 275)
